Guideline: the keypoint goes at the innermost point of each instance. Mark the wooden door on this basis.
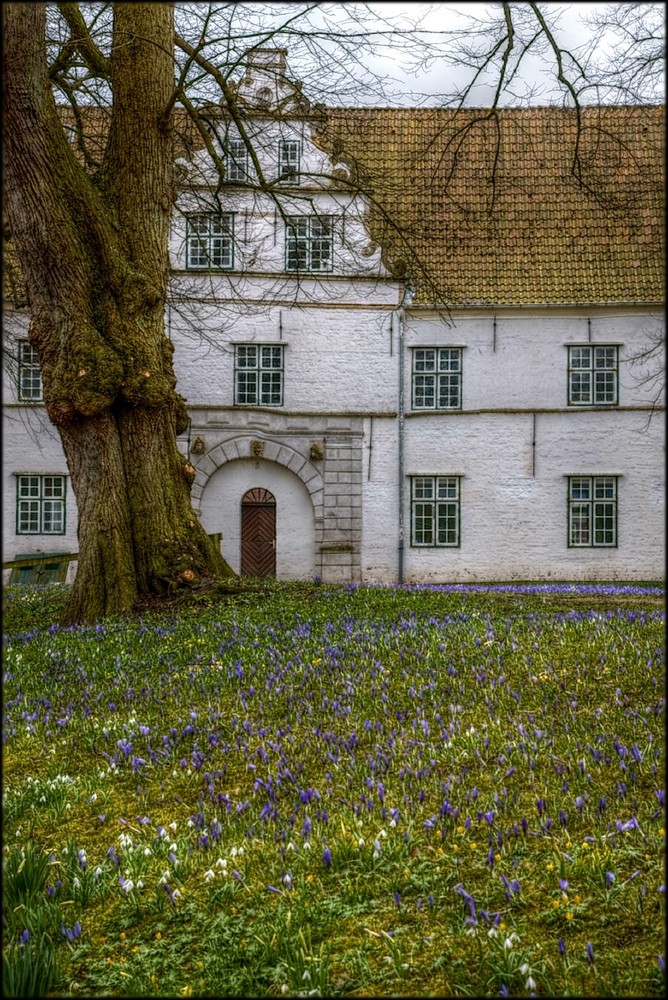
(258, 533)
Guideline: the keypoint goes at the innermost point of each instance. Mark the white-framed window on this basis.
(30, 378)
(593, 372)
(40, 504)
(309, 243)
(435, 511)
(237, 160)
(289, 157)
(209, 241)
(258, 374)
(592, 511)
(437, 378)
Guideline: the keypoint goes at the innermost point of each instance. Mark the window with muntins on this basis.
(40, 505)
(437, 378)
(289, 156)
(237, 160)
(592, 511)
(258, 375)
(593, 375)
(308, 243)
(435, 511)
(30, 378)
(209, 241)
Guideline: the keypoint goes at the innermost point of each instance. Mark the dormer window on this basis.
(289, 154)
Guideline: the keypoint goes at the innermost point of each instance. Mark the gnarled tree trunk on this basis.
(94, 254)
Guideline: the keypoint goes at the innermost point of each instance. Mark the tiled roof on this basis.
(489, 208)
(486, 210)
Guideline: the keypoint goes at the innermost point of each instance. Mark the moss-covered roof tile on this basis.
(519, 206)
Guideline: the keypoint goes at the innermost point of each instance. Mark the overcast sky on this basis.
(439, 79)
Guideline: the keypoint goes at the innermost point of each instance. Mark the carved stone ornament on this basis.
(198, 446)
(316, 451)
(257, 449)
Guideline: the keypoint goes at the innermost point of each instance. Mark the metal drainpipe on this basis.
(400, 416)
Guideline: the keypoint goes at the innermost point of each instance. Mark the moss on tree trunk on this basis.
(93, 247)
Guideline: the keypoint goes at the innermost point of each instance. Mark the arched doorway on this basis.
(258, 533)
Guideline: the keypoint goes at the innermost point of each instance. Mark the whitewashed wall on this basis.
(295, 532)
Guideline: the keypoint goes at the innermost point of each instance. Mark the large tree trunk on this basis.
(94, 253)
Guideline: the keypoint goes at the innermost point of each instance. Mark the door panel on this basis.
(258, 533)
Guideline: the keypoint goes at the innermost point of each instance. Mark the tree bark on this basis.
(94, 254)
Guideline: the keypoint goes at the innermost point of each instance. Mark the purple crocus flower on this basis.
(24, 936)
(397, 900)
(563, 884)
(562, 947)
(327, 857)
(590, 953)
(609, 879)
(169, 892)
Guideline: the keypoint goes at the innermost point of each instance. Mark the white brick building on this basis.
(344, 424)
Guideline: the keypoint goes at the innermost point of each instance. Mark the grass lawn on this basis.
(310, 790)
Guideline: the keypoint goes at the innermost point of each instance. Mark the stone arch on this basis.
(240, 447)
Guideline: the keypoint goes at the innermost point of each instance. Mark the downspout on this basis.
(406, 300)
(400, 416)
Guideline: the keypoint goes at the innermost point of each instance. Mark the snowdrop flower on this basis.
(97, 872)
(221, 863)
(127, 885)
(76, 882)
(173, 826)
(164, 877)
(287, 881)
(140, 884)
(510, 941)
(530, 983)
(525, 968)
(376, 848)
(209, 875)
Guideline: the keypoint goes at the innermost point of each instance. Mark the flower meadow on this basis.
(309, 790)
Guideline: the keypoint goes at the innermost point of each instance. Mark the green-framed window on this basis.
(29, 375)
(437, 378)
(593, 375)
(258, 374)
(210, 241)
(237, 160)
(40, 504)
(309, 243)
(592, 511)
(435, 511)
(289, 161)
